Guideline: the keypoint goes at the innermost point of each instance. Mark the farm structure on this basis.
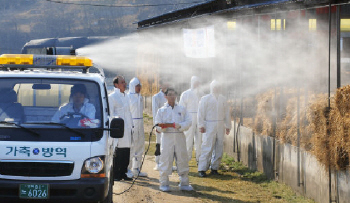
(284, 67)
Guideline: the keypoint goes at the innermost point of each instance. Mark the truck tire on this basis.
(109, 198)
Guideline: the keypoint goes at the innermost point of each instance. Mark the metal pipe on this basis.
(298, 128)
(241, 119)
(274, 111)
(338, 21)
(337, 185)
(274, 136)
(329, 91)
(329, 55)
(238, 152)
(298, 137)
(234, 123)
(240, 79)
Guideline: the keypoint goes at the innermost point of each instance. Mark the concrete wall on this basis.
(298, 169)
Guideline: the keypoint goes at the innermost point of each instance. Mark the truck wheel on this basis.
(109, 198)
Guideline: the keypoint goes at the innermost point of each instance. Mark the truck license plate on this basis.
(34, 191)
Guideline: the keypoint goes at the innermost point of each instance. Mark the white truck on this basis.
(54, 146)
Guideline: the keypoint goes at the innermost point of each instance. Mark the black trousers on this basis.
(121, 162)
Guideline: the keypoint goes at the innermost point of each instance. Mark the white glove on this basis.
(177, 126)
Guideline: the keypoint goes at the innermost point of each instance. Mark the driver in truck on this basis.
(77, 105)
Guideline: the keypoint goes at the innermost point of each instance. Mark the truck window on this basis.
(76, 103)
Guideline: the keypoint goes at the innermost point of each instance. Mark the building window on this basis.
(276, 24)
(312, 24)
(345, 25)
(231, 25)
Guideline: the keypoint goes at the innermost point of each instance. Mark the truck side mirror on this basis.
(117, 128)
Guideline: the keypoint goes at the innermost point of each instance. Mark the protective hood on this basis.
(194, 80)
(213, 85)
(132, 85)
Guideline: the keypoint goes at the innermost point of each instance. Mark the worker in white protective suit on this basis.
(138, 136)
(119, 106)
(213, 119)
(172, 120)
(158, 100)
(190, 99)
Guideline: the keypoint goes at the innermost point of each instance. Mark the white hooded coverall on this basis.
(173, 143)
(190, 99)
(138, 137)
(158, 100)
(119, 106)
(214, 116)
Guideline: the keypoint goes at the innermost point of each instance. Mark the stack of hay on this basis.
(339, 129)
(287, 126)
(264, 115)
(318, 113)
(323, 131)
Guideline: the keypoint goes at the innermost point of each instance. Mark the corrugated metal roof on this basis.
(260, 4)
(205, 8)
(185, 8)
(176, 14)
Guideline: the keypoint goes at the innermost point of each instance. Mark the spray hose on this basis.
(143, 159)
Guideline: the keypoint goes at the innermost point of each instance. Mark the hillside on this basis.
(24, 20)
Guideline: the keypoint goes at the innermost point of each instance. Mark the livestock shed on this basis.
(284, 66)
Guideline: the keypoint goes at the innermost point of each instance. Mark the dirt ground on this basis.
(147, 189)
(228, 187)
(239, 185)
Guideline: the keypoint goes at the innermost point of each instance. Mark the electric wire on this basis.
(143, 159)
(123, 5)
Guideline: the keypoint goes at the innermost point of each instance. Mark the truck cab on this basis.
(56, 134)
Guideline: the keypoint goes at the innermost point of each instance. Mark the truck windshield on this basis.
(31, 101)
